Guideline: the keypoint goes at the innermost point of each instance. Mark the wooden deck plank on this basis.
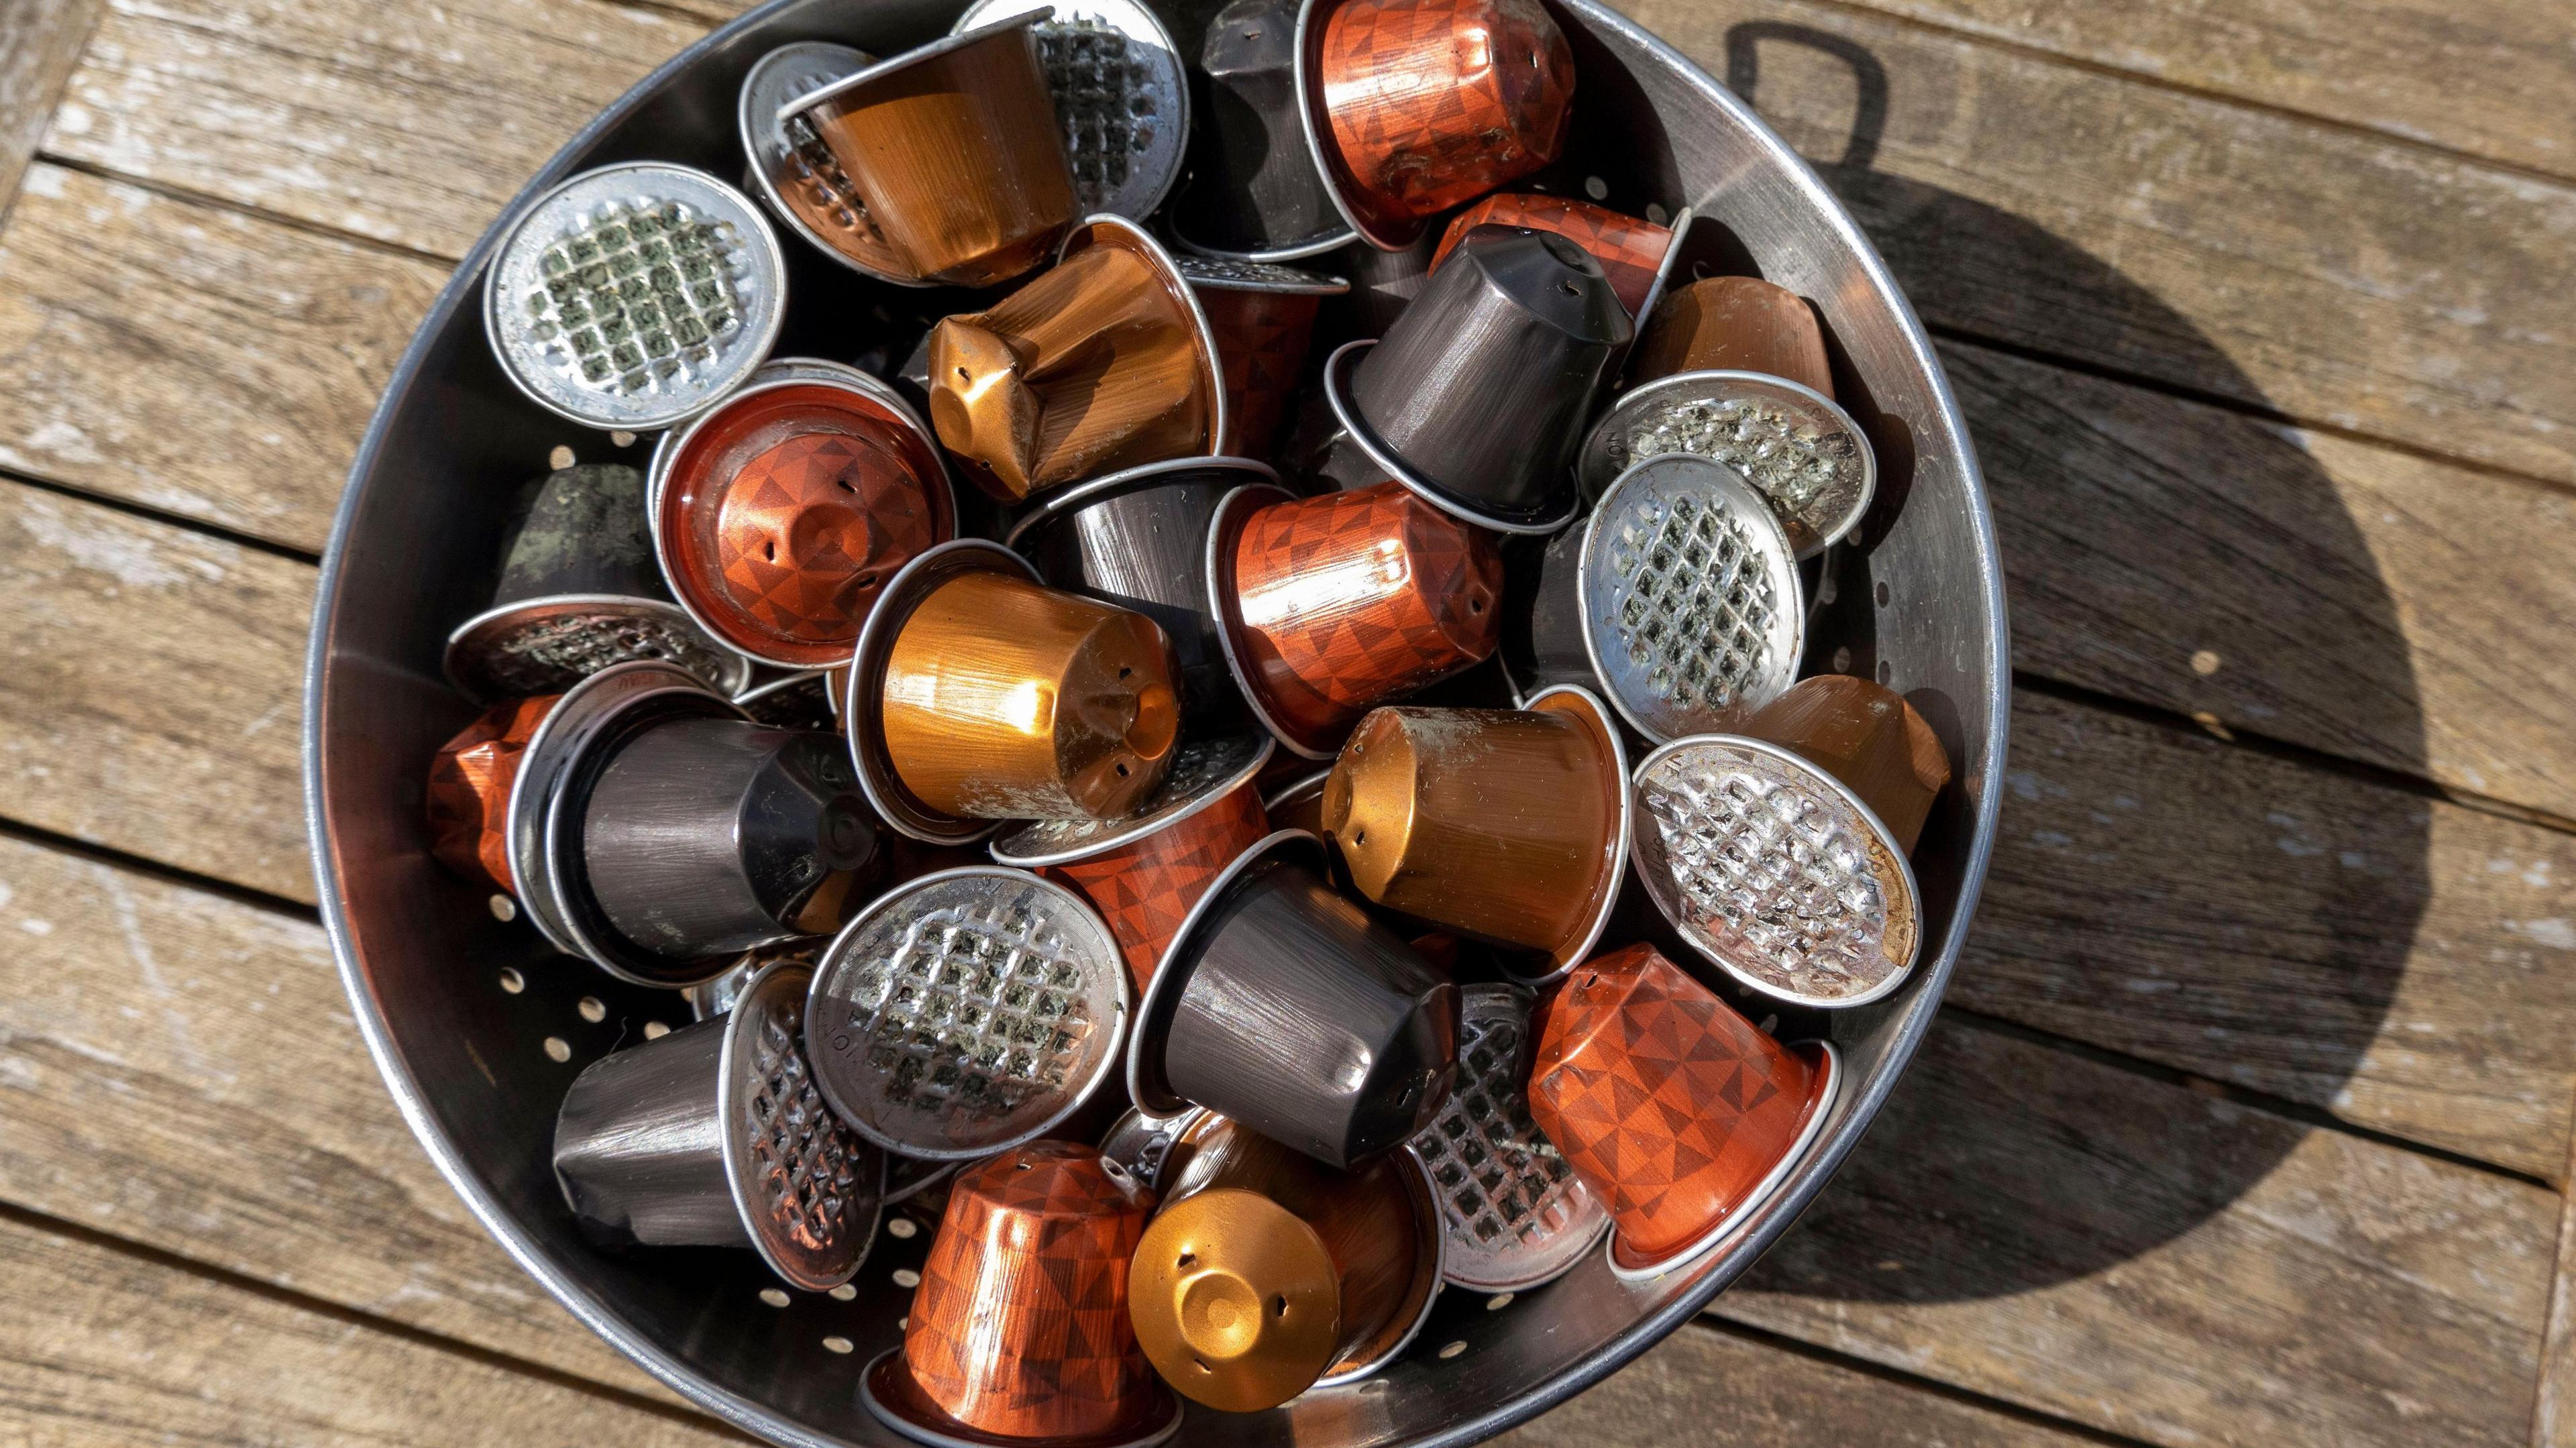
(97, 1347)
(2488, 77)
(39, 41)
(2553, 1418)
(181, 1071)
(194, 360)
(2154, 1262)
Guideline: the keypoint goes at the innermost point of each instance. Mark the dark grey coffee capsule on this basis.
(1254, 192)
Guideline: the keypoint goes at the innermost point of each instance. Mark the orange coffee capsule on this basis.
(1734, 324)
(1631, 252)
(1867, 736)
(1672, 1107)
(469, 790)
(1019, 1331)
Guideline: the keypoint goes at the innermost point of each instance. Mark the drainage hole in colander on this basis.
(558, 1049)
(1498, 1301)
(504, 909)
(593, 1009)
(655, 1030)
(773, 1297)
(512, 982)
(901, 1227)
(1452, 1350)
(839, 1344)
(844, 1293)
(560, 458)
(906, 1278)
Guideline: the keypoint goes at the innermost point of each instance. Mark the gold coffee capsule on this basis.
(1734, 324)
(1868, 737)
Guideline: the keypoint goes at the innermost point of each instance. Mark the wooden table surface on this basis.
(2248, 1118)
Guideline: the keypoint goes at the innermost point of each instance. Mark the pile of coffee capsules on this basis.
(1355, 732)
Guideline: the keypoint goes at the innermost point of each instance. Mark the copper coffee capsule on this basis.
(1515, 1214)
(1283, 1005)
(469, 787)
(1263, 317)
(949, 159)
(1633, 253)
(1475, 398)
(1019, 1332)
(1414, 106)
(967, 1011)
(1806, 456)
(579, 591)
(1867, 736)
(1734, 324)
(1122, 98)
(978, 695)
(790, 166)
(1678, 598)
(1254, 192)
(780, 514)
(1144, 872)
(1267, 1272)
(1776, 871)
(1102, 362)
(713, 1136)
(1333, 605)
(1674, 1109)
(1508, 826)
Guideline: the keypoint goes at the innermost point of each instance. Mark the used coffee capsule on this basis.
(780, 513)
(634, 295)
(1414, 106)
(977, 695)
(1632, 253)
(1508, 826)
(1019, 1332)
(1799, 451)
(1286, 1007)
(966, 1012)
(1140, 1142)
(1299, 804)
(1267, 1272)
(1734, 324)
(579, 591)
(1515, 1214)
(1254, 193)
(1775, 871)
(1122, 99)
(1331, 606)
(1102, 362)
(1678, 597)
(1475, 399)
(1673, 1108)
(1144, 872)
(810, 699)
(1138, 539)
(469, 788)
(950, 159)
(713, 1136)
(1264, 320)
(1867, 736)
(789, 164)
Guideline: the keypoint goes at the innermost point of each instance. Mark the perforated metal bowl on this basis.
(416, 548)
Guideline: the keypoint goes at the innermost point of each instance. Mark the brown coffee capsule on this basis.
(1867, 736)
(469, 790)
(1734, 324)
(1019, 1332)
(1507, 826)
(977, 694)
(1102, 362)
(1632, 252)
(1145, 871)
(1414, 106)
(1672, 1107)
(949, 159)
(1263, 317)
(780, 513)
(1267, 1272)
(1336, 604)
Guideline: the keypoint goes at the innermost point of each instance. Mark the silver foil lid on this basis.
(1690, 597)
(1800, 451)
(1515, 1213)
(966, 1012)
(1202, 771)
(635, 295)
(1121, 96)
(547, 645)
(1226, 273)
(1775, 871)
(808, 1187)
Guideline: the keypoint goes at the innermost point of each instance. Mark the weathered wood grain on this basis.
(153, 683)
(2247, 254)
(180, 1069)
(190, 359)
(2491, 79)
(2154, 1262)
(2553, 1417)
(97, 1347)
(39, 40)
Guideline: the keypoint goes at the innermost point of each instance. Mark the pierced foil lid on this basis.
(1226, 273)
(635, 295)
(1798, 449)
(1775, 871)
(542, 645)
(966, 1012)
(793, 169)
(1515, 1213)
(1202, 772)
(1121, 95)
(807, 1186)
(1689, 596)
